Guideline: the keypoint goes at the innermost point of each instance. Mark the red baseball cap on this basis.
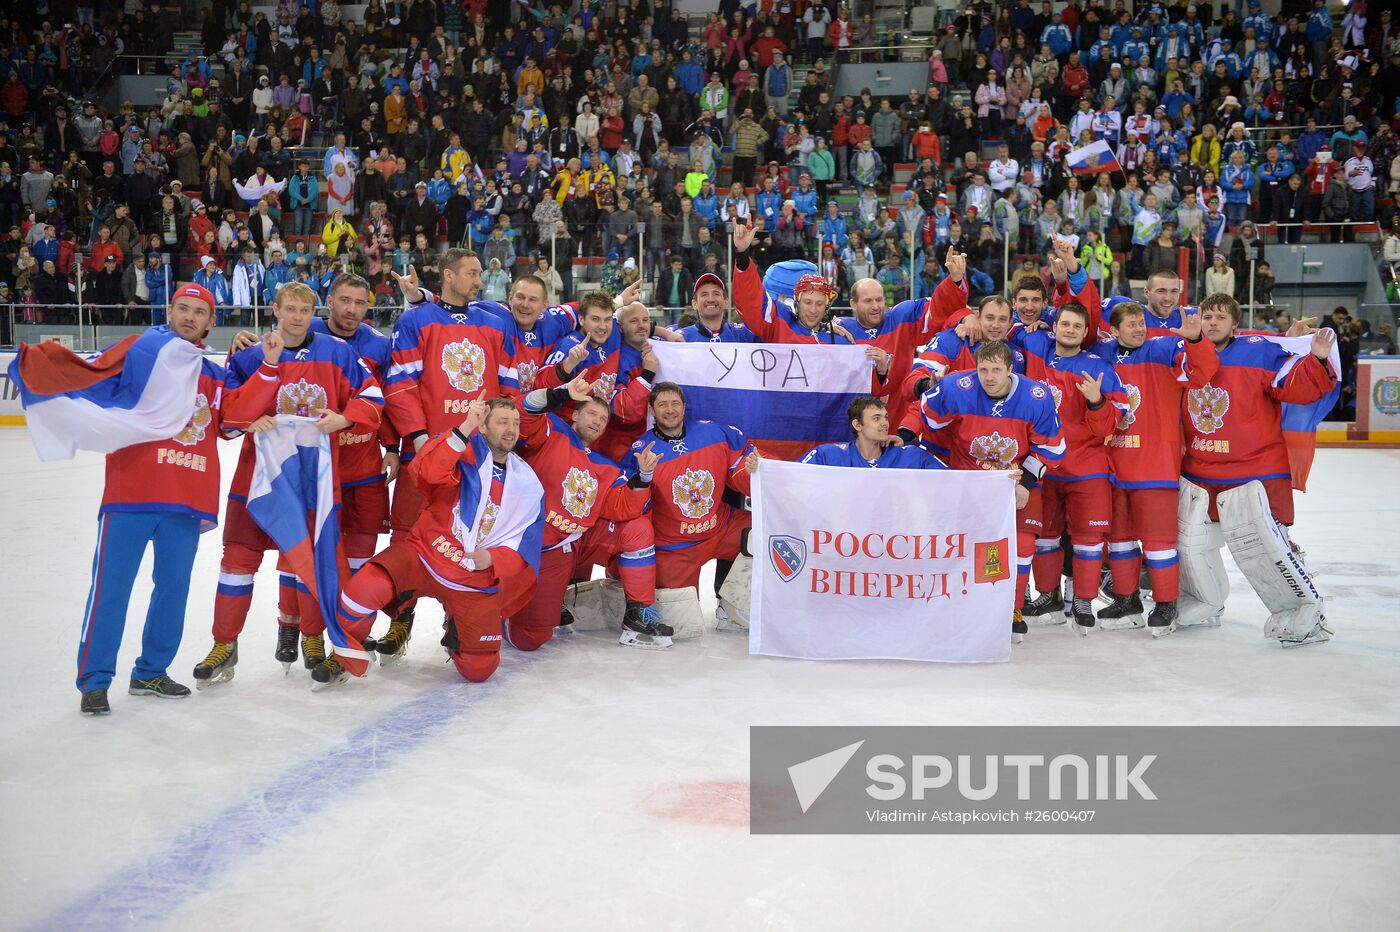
(709, 278)
(198, 292)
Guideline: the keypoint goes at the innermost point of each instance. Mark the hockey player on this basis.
(592, 513)
(1145, 457)
(446, 353)
(1236, 480)
(163, 492)
(1163, 297)
(692, 517)
(772, 321)
(710, 301)
(292, 372)
(997, 419)
(871, 446)
(1089, 399)
(475, 546)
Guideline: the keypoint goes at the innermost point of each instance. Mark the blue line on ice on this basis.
(192, 863)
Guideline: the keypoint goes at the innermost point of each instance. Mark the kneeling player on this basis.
(699, 461)
(996, 419)
(592, 514)
(1237, 479)
(871, 447)
(475, 547)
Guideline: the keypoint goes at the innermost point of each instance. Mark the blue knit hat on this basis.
(781, 277)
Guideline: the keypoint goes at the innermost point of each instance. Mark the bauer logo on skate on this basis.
(1207, 406)
(882, 573)
(465, 365)
(300, 398)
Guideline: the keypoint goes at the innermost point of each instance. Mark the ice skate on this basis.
(1122, 612)
(1316, 635)
(95, 703)
(1083, 617)
(313, 650)
(566, 622)
(328, 673)
(393, 646)
(1162, 620)
(217, 666)
(286, 652)
(162, 686)
(1106, 585)
(1045, 609)
(1018, 626)
(449, 641)
(642, 627)
(724, 621)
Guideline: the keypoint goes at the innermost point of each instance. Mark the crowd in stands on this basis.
(293, 146)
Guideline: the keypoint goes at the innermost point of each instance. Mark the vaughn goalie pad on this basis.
(736, 593)
(1204, 584)
(680, 608)
(1265, 555)
(597, 605)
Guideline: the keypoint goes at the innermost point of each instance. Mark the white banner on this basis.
(882, 564)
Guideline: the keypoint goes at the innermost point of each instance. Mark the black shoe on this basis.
(218, 666)
(313, 650)
(1122, 606)
(328, 672)
(397, 638)
(1163, 619)
(287, 638)
(162, 686)
(95, 703)
(1043, 604)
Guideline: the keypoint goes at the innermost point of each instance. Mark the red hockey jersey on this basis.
(688, 485)
(360, 459)
(976, 431)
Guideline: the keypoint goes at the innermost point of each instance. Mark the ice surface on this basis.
(590, 786)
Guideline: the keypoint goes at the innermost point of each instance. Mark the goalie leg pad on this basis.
(597, 605)
(735, 594)
(680, 608)
(1204, 584)
(1261, 548)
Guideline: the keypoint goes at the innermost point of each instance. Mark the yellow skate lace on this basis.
(217, 655)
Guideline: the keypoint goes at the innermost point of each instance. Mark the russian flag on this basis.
(292, 498)
(142, 388)
(1094, 159)
(786, 397)
(1300, 422)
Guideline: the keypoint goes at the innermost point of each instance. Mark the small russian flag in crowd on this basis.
(140, 389)
(1094, 159)
(292, 498)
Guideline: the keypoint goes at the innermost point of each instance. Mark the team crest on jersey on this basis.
(787, 554)
(1056, 394)
(194, 430)
(605, 387)
(580, 492)
(300, 398)
(1134, 399)
(693, 491)
(462, 532)
(1207, 406)
(465, 365)
(525, 374)
(993, 451)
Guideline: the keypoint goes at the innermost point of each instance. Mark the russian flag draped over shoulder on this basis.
(292, 498)
(138, 390)
(1300, 422)
(786, 397)
(1094, 159)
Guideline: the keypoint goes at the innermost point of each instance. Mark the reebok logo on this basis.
(811, 777)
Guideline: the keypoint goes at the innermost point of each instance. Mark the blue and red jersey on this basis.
(179, 475)
(905, 327)
(534, 346)
(360, 460)
(1145, 448)
(727, 333)
(688, 484)
(624, 386)
(1233, 423)
(977, 431)
(581, 486)
(771, 321)
(1085, 428)
(322, 373)
(444, 358)
(911, 456)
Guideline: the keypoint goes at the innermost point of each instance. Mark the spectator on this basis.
(1220, 278)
